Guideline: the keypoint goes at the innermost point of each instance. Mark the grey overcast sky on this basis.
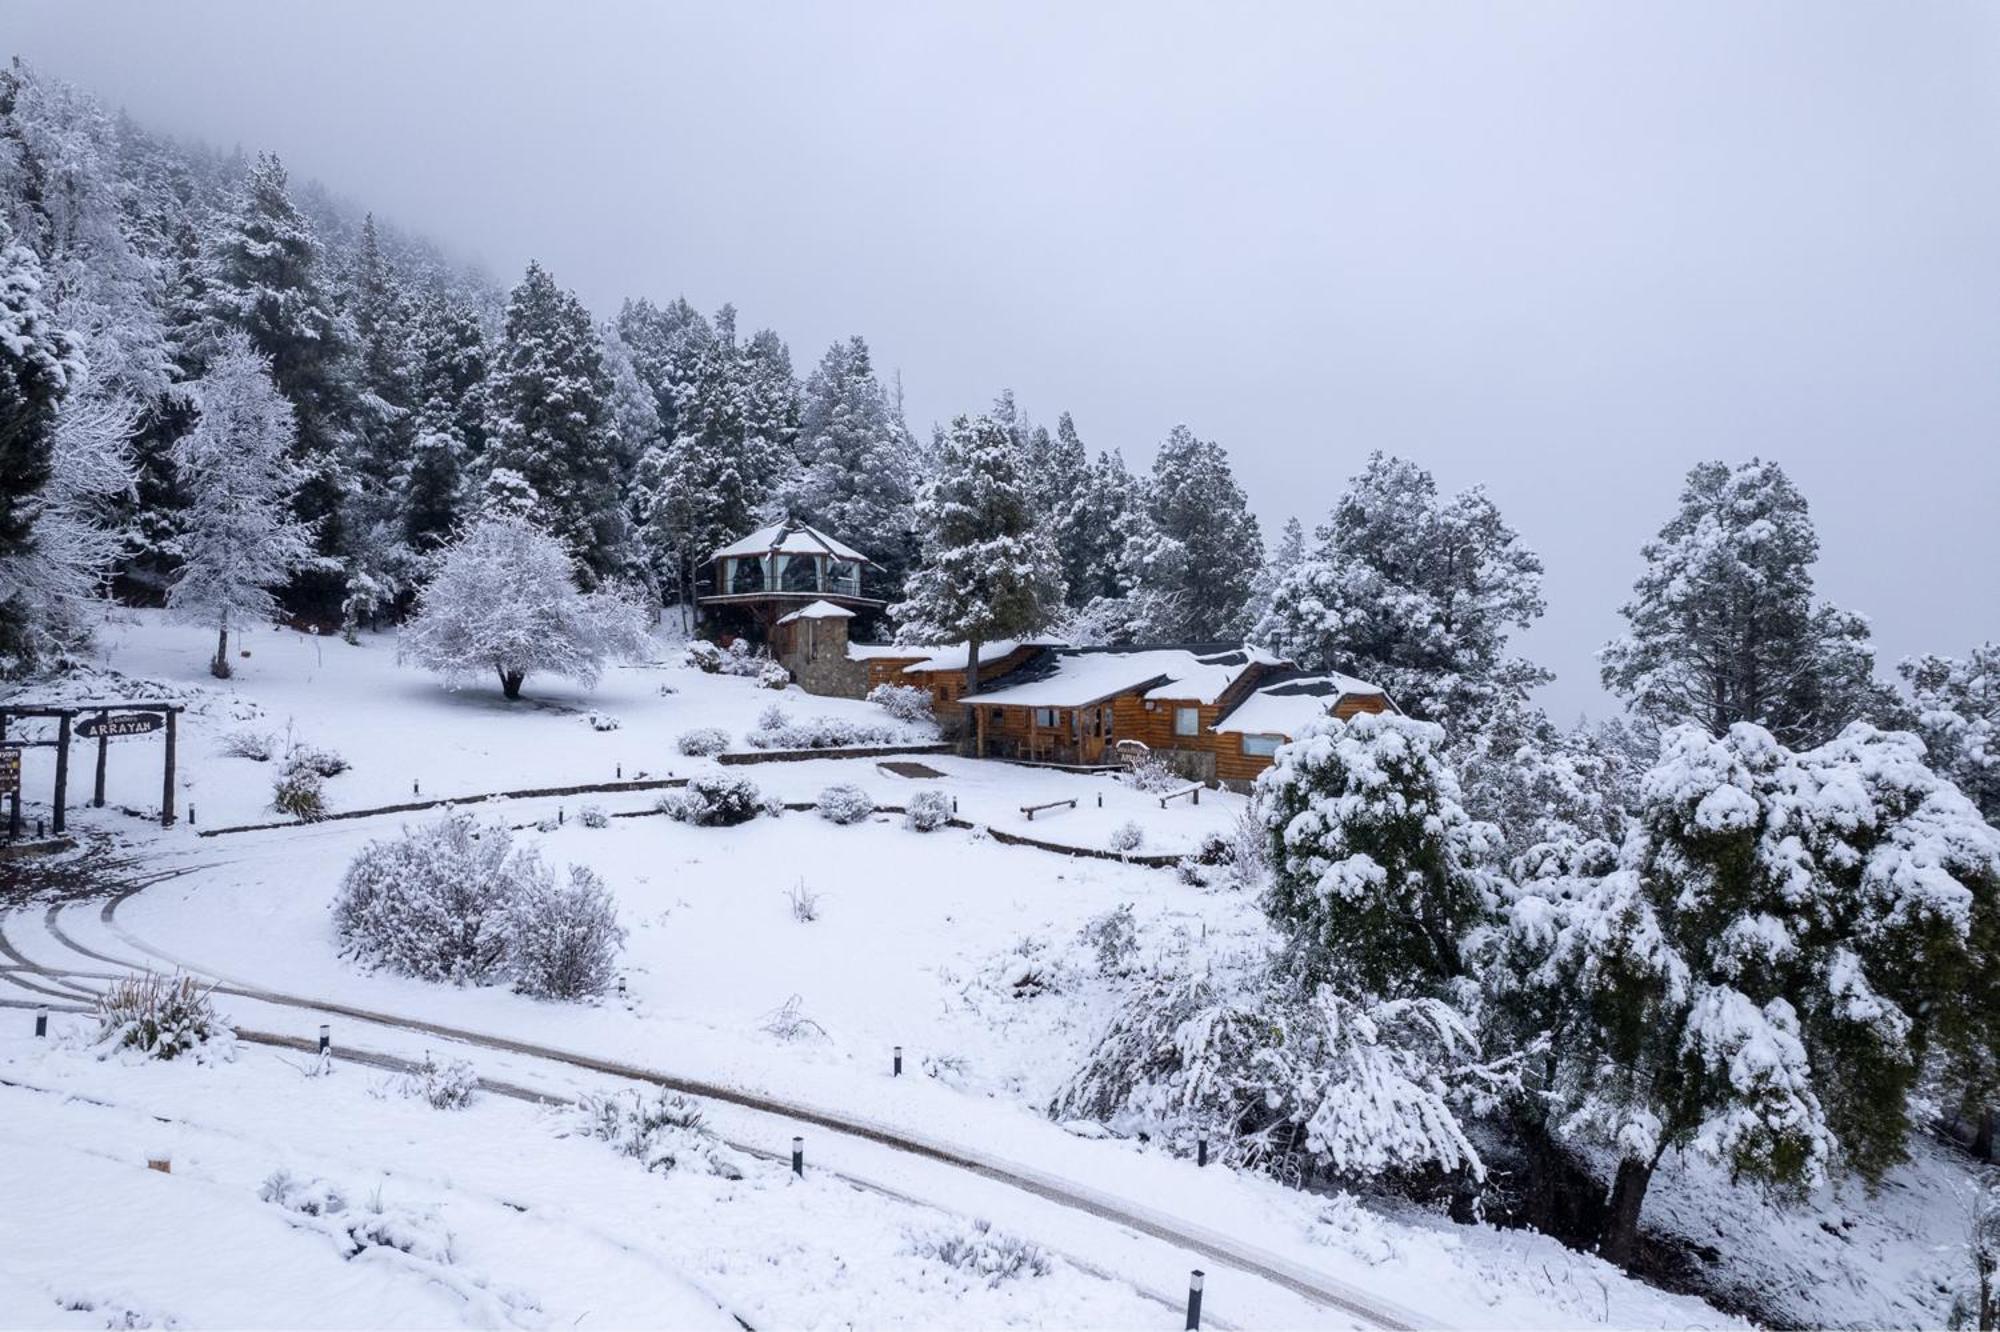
(1564, 250)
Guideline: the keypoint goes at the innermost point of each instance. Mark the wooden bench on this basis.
(1032, 810)
(1192, 792)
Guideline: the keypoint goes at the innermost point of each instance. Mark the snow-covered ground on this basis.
(919, 941)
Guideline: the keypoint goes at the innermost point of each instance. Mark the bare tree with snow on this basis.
(242, 540)
(505, 600)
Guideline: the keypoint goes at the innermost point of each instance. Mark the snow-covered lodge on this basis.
(1216, 711)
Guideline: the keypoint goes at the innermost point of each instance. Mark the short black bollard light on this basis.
(39, 833)
(41, 1022)
(559, 816)
(414, 790)
(799, 1157)
(1100, 800)
(1194, 1301)
(190, 816)
(1201, 1151)
(621, 772)
(954, 804)
(899, 1063)
(325, 1038)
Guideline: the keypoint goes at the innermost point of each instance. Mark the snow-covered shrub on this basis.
(432, 902)
(714, 800)
(1127, 837)
(1282, 1082)
(325, 762)
(1114, 937)
(259, 746)
(593, 816)
(928, 811)
(804, 903)
(299, 790)
(308, 1197)
(447, 1086)
(788, 1022)
(980, 1253)
(562, 937)
(773, 676)
(776, 730)
(702, 741)
(419, 1233)
(1153, 773)
(604, 721)
(705, 657)
(159, 1016)
(662, 1132)
(906, 703)
(844, 803)
(504, 602)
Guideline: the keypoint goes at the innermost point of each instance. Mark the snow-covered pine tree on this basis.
(855, 478)
(1378, 873)
(550, 398)
(1957, 712)
(36, 360)
(1723, 627)
(242, 539)
(379, 564)
(504, 600)
(1068, 503)
(449, 371)
(771, 410)
(990, 569)
(1287, 555)
(1416, 593)
(1208, 543)
(262, 275)
(1758, 982)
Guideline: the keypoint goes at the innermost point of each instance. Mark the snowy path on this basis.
(1193, 1238)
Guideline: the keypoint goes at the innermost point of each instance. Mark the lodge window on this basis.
(746, 575)
(1262, 746)
(1045, 717)
(1187, 721)
(799, 574)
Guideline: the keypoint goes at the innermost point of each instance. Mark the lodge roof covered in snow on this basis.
(1286, 703)
(818, 610)
(1067, 677)
(791, 537)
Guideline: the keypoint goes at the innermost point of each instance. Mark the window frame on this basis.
(1272, 736)
(1190, 714)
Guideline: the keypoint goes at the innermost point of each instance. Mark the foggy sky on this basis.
(1566, 251)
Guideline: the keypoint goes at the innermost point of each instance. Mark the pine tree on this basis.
(1416, 593)
(1723, 626)
(380, 564)
(1287, 556)
(1074, 509)
(1956, 707)
(1207, 546)
(551, 422)
(1757, 982)
(241, 538)
(449, 373)
(990, 569)
(36, 361)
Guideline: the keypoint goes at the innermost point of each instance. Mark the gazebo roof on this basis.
(790, 537)
(819, 610)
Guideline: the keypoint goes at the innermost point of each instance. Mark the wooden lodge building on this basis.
(1217, 712)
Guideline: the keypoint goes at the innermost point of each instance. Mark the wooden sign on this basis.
(10, 770)
(119, 723)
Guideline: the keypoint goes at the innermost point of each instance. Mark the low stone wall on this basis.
(801, 755)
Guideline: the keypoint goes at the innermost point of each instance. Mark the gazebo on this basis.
(758, 580)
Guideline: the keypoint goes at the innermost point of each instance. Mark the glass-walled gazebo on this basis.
(755, 580)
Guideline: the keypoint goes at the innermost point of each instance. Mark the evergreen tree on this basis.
(1287, 556)
(1956, 707)
(1759, 980)
(1206, 544)
(449, 374)
(1416, 593)
(241, 540)
(771, 410)
(1723, 626)
(855, 478)
(990, 570)
(1068, 499)
(551, 422)
(36, 361)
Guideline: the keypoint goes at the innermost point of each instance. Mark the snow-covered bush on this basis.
(299, 790)
(1153, 773)
(1285, 1083)
(714, 800)
(928, 810)
(844, 803)
(980, 1253)
(419, 1233)
(1114, 937)
(804, 903)
(776, 730)
(773, 676)
(788, 1022)
(593, 816)
(604, 721)
(906, 703)
(662, 1132)
(161, 1017)
(705, 657)
(1127, 837)
(432, 902)
(258, 746)
(562, 937)
(325, 762)
(702, 741)
(447, 1086)
(504, 600)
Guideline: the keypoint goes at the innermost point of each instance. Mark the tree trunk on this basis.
(1620, 1244)
(971, 688)
(1982, 1141)
(510, 682)
(219, 668)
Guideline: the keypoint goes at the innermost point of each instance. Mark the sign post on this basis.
(10, 786)
(112, 724)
